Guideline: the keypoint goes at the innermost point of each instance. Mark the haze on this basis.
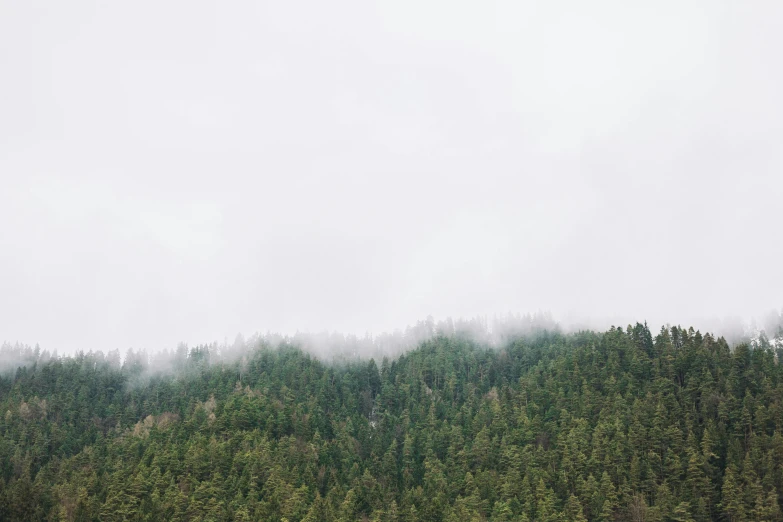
(183, 171)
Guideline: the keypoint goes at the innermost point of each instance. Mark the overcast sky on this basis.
(187, 170)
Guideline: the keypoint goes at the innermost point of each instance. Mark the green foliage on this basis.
(621, 425)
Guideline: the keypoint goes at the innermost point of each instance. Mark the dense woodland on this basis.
(620, 425)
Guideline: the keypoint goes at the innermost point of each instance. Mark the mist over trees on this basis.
(547, 426)
(335, 347)
(332, 347)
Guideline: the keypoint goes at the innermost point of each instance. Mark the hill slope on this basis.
(589, 426)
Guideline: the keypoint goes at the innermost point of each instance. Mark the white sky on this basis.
(186, 170)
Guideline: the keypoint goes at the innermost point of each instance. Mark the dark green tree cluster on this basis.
(607, 426)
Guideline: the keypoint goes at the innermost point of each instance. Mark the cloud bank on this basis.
(188, 170)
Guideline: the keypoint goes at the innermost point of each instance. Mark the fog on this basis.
(186, 171)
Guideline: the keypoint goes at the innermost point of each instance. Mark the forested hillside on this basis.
(619, 425)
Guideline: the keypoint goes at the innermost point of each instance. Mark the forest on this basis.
(621, 425)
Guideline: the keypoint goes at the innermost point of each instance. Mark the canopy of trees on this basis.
(619, 425)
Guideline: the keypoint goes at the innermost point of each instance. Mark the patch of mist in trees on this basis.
(341, 349)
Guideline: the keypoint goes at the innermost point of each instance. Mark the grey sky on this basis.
(183, 171)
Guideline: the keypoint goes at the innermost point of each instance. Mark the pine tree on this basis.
(731, 496)
(573, 510)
